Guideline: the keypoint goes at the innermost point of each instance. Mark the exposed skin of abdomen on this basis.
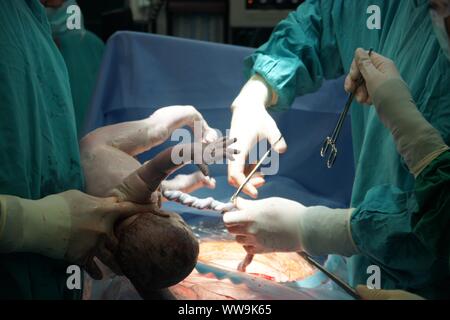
(277, 266)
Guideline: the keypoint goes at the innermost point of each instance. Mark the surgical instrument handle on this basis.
(330, 275)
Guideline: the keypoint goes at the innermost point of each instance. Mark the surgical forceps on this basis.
(330, 141)
(249, 257)
(343, 285)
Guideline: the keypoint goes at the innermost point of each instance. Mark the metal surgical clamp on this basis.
(330, 142)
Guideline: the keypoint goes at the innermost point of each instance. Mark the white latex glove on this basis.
(417, 141)
(71, 225)
(281, 225)
(188, 183)
(373, 294)
(375, 70)
(251, 123)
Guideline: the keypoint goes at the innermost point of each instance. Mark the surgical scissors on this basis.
(330, 141)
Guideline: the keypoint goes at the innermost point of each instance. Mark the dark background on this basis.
(104, 17)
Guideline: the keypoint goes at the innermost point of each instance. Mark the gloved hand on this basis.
(71, 225)
(281, 225)
(417, 141)
(373, 294)
(375, 70)
(251, 123)
(188, 183)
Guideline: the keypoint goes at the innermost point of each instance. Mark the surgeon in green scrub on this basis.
(318, 42)
(82, 51)
(43, 227)
(423, 149)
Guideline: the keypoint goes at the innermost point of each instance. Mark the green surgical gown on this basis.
(433, 197)
(318, 42)
(420, 241)
(39, 152)
(82, 52)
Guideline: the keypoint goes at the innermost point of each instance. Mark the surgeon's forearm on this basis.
(416, 139)
(37, 226)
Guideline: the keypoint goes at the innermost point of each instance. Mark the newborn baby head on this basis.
(156, 250)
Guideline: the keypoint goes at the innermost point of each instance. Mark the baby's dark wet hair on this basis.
(156, 251)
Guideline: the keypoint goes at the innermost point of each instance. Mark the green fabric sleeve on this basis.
(432, 221)
(300, 53)
(392, 229)
(383, 231)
